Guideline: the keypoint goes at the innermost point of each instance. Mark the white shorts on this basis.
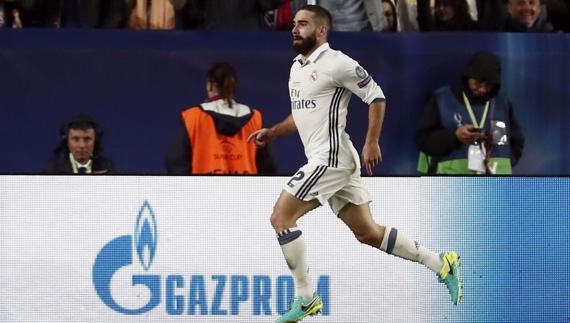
(337, 186)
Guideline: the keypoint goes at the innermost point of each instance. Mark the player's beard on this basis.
(306, 45)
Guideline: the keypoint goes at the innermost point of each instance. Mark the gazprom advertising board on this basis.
(201, 249)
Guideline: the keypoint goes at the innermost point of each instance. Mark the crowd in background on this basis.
(257, 15)
(252, 15)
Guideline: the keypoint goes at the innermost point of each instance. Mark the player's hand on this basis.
(371, 156)
(260, 137)
(468, 134)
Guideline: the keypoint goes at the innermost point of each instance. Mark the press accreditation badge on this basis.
(476, 158)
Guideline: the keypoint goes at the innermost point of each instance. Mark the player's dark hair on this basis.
(224, 76)
(320, 13)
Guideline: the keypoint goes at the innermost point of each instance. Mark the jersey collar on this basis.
(314, 56)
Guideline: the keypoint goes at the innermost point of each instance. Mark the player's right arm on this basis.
(264, 135)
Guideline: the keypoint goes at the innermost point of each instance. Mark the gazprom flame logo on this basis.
(145, 236)
(118, 253)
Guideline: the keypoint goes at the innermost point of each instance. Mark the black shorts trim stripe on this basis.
(311, 181)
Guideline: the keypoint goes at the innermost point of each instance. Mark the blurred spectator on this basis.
(64, 13)
(473, 8)
(16, 22)
(391, 16)
(213, 137)
(79, 149)
(448, 15)
(238, 15)
(151, 14)
(407, 15)
(93, 13)
(527, 16)
(188, 14)
(3, 13)
(30, 13)
(281, 17)
(354, 15)
(559, 14)
(468, 128)
(514, 16)
(10, 14)
(492, 14)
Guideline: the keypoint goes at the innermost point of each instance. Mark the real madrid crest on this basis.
(314, 76)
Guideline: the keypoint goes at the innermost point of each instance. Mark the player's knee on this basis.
(273, 219)
(277, 221)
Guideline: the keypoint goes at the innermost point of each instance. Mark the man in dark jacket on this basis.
(68, 13)
(93, 13)
(513, 16)
(79, 151)
(527, 16)
(241, 15)
(468, 128)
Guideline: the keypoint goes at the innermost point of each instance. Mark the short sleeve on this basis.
(349, 74)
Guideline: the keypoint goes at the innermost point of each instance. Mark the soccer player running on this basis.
(321, 83)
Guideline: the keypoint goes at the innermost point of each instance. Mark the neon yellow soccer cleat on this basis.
(450, 275)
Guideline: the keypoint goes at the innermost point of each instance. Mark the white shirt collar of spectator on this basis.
(75, 165)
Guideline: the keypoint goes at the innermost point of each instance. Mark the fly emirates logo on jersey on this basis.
(184, 293)
(300, 104)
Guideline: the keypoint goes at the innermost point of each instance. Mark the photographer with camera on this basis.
(468, 128)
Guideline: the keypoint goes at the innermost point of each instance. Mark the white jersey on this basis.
(320, 91)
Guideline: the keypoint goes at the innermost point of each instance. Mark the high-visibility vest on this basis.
(456, 162)
(215, 153)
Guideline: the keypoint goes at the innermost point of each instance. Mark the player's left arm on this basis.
(371, 152)
(356, 79)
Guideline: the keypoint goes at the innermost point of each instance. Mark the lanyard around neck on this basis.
(481, 124)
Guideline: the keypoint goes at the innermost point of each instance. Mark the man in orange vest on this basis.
(215, 140)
